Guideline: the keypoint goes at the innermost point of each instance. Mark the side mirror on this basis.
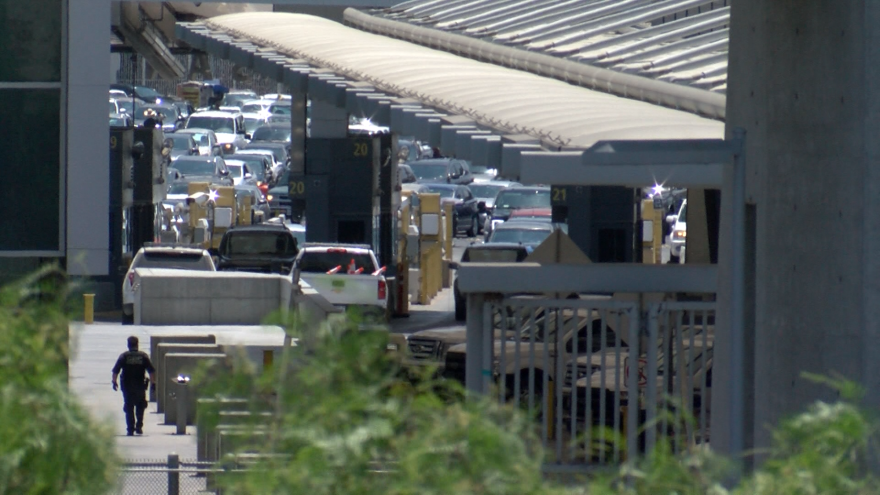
(481, 206)
(248, 176)
(247, 136)
(671, 218)
(195, 150)
(224, 173)
(453, 265)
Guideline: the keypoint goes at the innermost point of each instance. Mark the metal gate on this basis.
(603, 379)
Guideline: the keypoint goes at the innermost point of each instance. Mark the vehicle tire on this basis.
(475, 227)
(460, 309)
(674, 259)
(128, 319)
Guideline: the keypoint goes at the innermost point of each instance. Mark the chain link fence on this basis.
(132, 70)
(164, 477)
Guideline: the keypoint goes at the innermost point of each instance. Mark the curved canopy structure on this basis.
(504, 99)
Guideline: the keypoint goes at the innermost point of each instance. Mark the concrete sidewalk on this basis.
(94, 351)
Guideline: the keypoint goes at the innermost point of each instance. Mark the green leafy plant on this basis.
(347, 418)
(48, 443)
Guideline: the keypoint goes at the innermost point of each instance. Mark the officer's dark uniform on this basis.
(134, 365)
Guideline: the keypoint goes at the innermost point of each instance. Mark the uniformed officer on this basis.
(133, 365)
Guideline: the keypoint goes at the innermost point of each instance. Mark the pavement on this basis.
(95, 350)
(97, 346)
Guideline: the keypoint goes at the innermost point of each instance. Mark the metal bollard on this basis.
(182, 381)
(173, 474)
(89, 308)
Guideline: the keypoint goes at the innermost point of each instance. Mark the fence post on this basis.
(173, 474)
(182, 402)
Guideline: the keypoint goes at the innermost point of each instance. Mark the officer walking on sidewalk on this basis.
(133, 365)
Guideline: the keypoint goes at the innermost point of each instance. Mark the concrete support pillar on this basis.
(328, 120)
(298, 132)
(473, 379)
(804, 83)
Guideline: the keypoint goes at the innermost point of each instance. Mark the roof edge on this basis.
(693, 100)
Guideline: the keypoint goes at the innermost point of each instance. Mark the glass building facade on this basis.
(31, 190)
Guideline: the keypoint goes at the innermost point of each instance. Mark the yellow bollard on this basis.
(89, 310)
(268, 357)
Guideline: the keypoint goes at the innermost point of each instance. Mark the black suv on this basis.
(263, 248)
(448, 170)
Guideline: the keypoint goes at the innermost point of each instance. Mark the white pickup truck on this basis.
(347, 275)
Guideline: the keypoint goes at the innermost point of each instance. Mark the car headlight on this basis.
(228, 147)
(679, 234)
(270, 197)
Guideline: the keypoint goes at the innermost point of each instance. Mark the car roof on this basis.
(215, 113)
(527, 188)
(260, 227)
(280, 125)
(253, 115)
(524, 212)
(439, 185)
(495, 245)
(525, 224)
(197, 158)
(194, 130)
(432, 161)
(172, 249)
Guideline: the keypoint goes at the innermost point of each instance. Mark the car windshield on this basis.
(194, 167)
(683, 214)
(179, 188)
(217, 124)
(278, 153)
(236, 100)
(251, 124)
(492, 255)
(260, 243)
(252, 107)
(538, 198)
(427, 172)
(180, 141)
(113, 108)
(201, 139)
(524, 236)
(273, 133)
(485, 190)
(236, 171)
(118, 122)
(145, 91)
(255, 165)
(318, 262)
(444, 192)
(279, 109)
(173, 259)
(127, 105)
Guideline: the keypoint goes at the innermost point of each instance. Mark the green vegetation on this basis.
(341, 416)
(48, 443)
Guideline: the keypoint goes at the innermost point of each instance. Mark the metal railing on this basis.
(604, 380)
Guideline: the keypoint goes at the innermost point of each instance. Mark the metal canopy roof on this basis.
(506, 100)
(678, 41)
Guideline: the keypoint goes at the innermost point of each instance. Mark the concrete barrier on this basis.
(165, 381)
(184, 363)
(187, 297)
(155, 340)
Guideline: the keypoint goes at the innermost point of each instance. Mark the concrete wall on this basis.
(175, 297)
(803, 82)
(186, 363)
(155, 340)
(166, 381)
